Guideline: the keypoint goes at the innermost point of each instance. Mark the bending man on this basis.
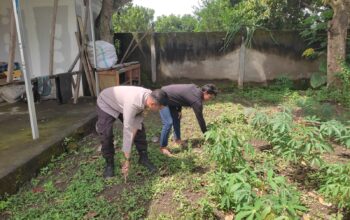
(127, 104)
(183, 95)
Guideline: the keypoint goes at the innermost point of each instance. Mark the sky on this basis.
(167, 7)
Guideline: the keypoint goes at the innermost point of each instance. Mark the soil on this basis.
(163, 205)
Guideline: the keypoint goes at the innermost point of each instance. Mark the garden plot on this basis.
(268, 154)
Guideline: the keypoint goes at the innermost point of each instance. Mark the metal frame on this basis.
(26, 74)
(27, 79)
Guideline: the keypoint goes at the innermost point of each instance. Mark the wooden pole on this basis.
(74, 63)
(153, 59)
(77, 84)
(88, 70)
(242, 52)
(92, 29)
(52, 37)
(83, 61)
(12, 46)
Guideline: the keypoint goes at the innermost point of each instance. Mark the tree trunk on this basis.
(103, 22)
(103, 26)
(337, 33)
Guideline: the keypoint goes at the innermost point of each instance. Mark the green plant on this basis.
(337, 131)
(232, 190)
(319, 78)
(226, 146)
(282, 83)
(334, 184)
(291, 140)
(344, 90)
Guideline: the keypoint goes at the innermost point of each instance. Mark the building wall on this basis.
(37, 16)
(202, 56)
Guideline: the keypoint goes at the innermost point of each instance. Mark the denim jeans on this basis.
(170, 118)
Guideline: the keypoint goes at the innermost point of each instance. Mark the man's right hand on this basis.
(125, 169)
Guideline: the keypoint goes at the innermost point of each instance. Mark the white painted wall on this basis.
(37, 16)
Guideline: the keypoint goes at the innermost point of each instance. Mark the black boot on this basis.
(109, 168)
(144, 161)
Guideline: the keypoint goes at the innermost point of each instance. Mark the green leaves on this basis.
(176, 23)
(132, 19)
(334, 185)
(225, 146)
(293, 141)
(318, 79)
(252, 193)
(336, 131)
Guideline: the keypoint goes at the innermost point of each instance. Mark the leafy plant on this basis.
(226, 146)
(292, 141)
(344, 90)
(337, 131)
(282, 83)
(232, 190)
(334, 184)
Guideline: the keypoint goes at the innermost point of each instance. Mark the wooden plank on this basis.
(74, 63)
(91, 75)
(77, 84)
(52, 37)
(12, 47)
(89, 70)
(83, 61)
(136, 45)
(127, 50)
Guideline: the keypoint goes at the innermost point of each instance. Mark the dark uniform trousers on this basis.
(104, 128)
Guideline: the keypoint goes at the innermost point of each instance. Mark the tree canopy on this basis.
(173, 23)
(133, 19)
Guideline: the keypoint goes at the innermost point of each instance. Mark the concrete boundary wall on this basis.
(200, 56)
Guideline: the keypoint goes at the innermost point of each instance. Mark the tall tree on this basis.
(103, 22)
(133, 19)
(173, 23)
(337, 34)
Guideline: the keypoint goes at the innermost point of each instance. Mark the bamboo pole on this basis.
(52, 37)
(12, 46)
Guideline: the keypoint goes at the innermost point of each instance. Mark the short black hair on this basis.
(210, 89)
(160, 96)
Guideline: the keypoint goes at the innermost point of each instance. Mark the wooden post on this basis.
(153, 59)
(77, 84)
(88, 70)
(92, 30)
(242, 52)
(52, 37)
(12, 46)
(83, 61)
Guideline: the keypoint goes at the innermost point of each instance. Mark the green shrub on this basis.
(294, 142)
(334, 184)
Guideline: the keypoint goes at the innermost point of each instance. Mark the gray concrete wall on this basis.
(201, 56)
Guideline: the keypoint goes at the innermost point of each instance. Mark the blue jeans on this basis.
(170, 118)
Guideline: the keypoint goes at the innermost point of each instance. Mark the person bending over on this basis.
(183, 95)
(127, 104)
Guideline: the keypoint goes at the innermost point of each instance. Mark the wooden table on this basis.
(112, 77)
